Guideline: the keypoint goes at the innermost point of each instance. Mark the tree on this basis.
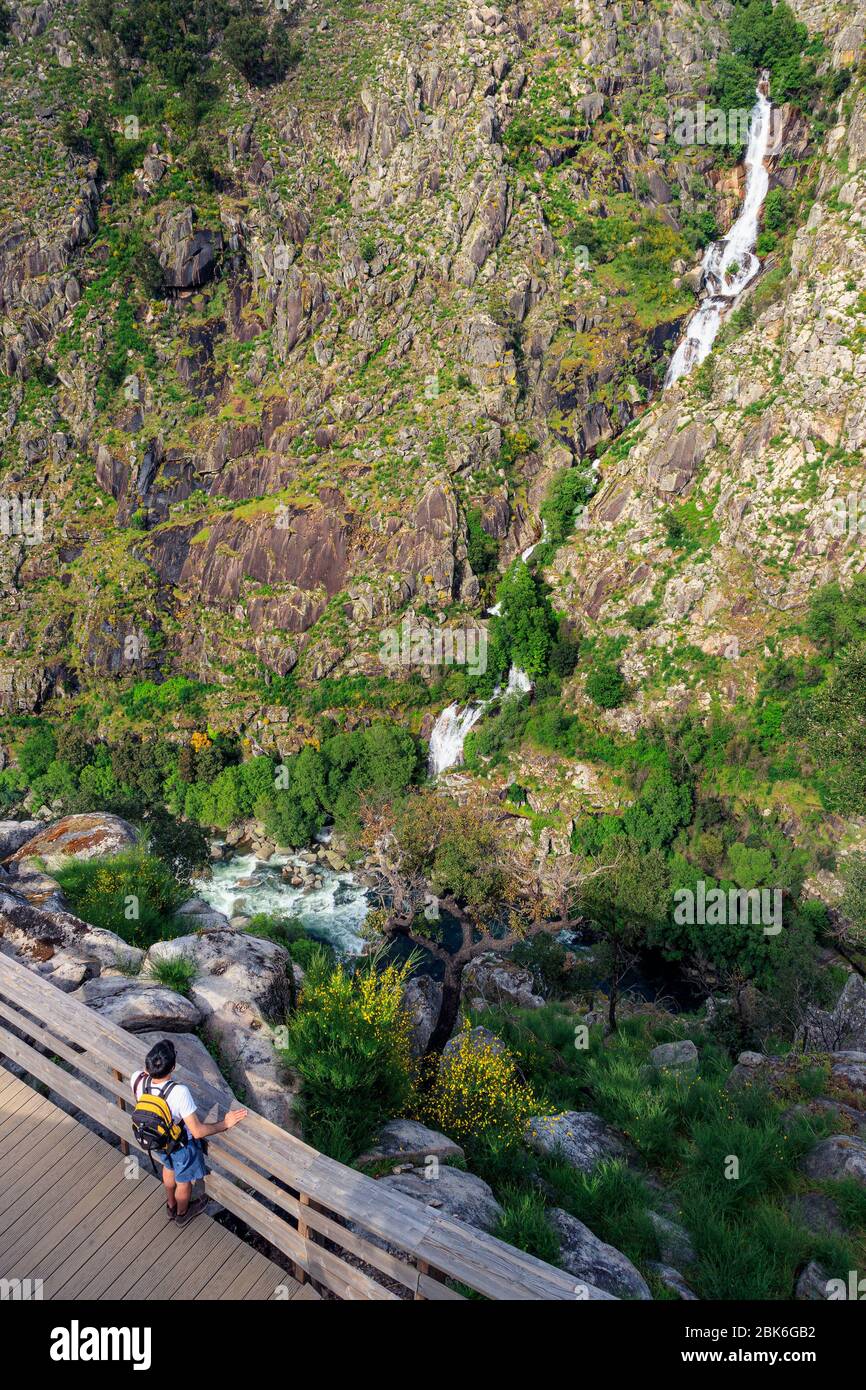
(606, 685)
(37, 752)
(833, 720)
(627, 904)
(497, 893)
(853, 902)
(566, 498)
(526, 625)
(836, 617)
(262, 56)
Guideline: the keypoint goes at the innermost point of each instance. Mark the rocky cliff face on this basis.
(761, 453)
(256, 409)
(377, 318)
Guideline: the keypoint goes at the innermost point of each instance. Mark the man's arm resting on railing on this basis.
(199, 1130)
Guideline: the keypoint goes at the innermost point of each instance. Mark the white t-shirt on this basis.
(180, 1101)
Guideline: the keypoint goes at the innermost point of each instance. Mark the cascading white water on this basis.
(526, 554)
(335, 912)
(448, 735)
(449, 732)
(722, 283)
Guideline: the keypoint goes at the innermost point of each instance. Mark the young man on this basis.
(181, 1168)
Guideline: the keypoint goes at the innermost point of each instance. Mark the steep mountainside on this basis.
(375, 323)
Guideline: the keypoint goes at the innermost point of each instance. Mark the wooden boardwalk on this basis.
(71, 1217)
(345, 1235)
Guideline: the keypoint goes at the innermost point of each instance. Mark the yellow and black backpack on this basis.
(155, 1128)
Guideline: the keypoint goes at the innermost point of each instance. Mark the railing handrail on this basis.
(314, 1192)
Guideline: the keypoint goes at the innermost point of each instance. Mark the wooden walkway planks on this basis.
(71, 1216)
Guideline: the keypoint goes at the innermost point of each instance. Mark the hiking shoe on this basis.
(193, 1210)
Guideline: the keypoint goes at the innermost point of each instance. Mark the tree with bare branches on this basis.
(497, 891)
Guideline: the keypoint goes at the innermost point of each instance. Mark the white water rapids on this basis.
(452, 726)
(722, 285)
(335, 912)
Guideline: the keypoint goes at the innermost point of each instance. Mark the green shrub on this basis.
(525, 628)
(38, 752)
(606, 686)
(175, 972)
(641, 616)
(566, 499)
(524, 1224)
(263, 56)
(133, 894)
(478, 1091)
(483, 550)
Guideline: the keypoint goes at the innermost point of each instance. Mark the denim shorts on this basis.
(187, 1163)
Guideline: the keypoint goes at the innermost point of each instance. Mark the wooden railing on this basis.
(295, 1197)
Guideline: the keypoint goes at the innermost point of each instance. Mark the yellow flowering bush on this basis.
(350, 1041)
(478, 1090)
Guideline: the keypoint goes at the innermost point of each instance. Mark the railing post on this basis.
(118, 1076)
(423, 1268)
(304, 1233)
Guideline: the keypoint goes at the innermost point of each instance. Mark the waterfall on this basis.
(736, 249)
(450, 730)
(526, 554)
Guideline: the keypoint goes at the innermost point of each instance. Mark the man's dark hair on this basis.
(160, 1059)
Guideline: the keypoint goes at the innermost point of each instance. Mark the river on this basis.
(333, 913)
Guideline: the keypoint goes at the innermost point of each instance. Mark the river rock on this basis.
(491, 980)
(139, 1005)
(836, 1158)
(843, 1026)
(37, 933)
(188, 256)
(817, 1212)
(203, 917)
(78, 837)
(15, 833)
(673, 1280)
(674, 1241)
(679, 1057)
(422, 999)
(578, 1137)
(40, 889)
(458, 1194)
(232, 968)
(241, 989)
(850, 1074)
(590, 1259)
(407, 1141)
(812, 1284)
